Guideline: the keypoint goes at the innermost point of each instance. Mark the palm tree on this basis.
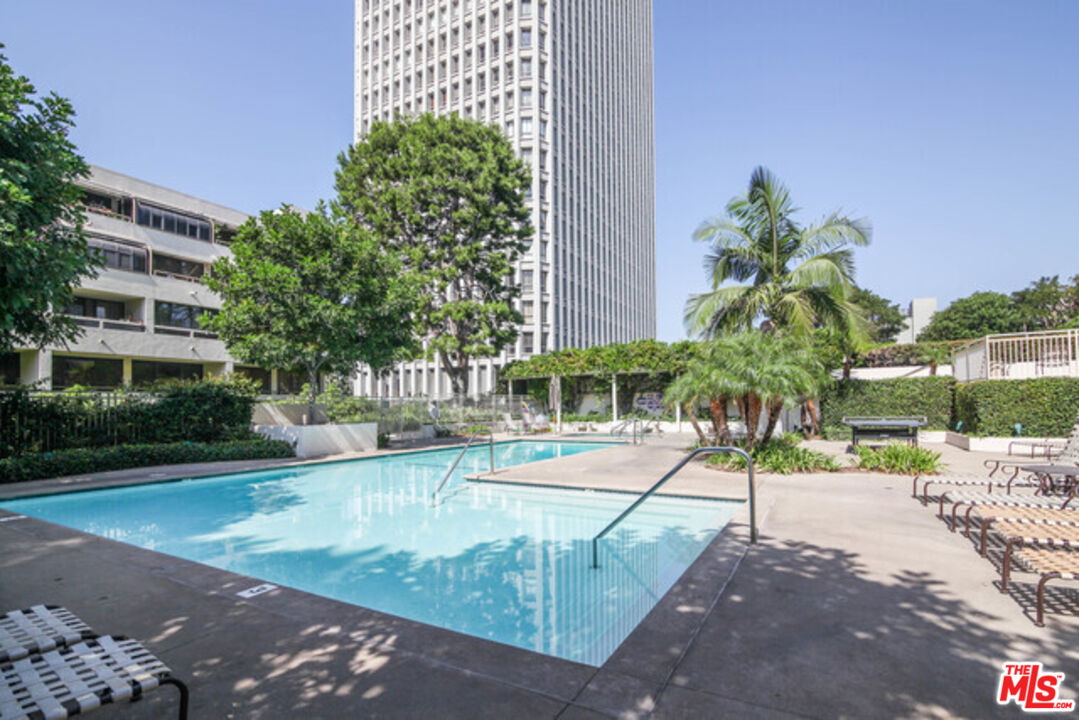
(760, 372)
(791, 278)
(688, 390)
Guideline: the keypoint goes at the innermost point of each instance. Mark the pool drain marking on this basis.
(257, 590)
(9, 518)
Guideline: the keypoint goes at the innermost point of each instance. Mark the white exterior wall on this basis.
(590, 148)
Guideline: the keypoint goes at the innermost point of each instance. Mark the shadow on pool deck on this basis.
(858, 602)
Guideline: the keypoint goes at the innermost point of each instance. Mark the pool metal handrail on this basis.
(671, 473)
(446, 477)
(620, 428)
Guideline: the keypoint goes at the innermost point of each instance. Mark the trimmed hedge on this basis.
(171, 411)
(87, 460)
(1046, 407)
(928, 396)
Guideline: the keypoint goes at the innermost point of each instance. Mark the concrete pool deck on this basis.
(857, 602)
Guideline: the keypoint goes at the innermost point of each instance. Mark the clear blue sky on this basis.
(951, 125)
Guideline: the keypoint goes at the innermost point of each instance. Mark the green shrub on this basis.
(779, 456)
(202, 411)
(899, 458)
(1044, 406)
(928, 396)
(922, 353)
(79, 461)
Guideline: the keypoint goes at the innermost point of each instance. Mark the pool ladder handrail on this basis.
(446, 477)
(671, 473)
(619, 429)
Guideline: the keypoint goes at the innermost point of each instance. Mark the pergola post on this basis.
(614, 398)
(678, 415)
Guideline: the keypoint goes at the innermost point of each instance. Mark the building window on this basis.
(528, 311)
(262, 377)
(172, 222)
(119, 256)
(526, 39)
(526, 281)
(95, 308)
(99, 373)
(177, 267)
(10, 368)
(171, 314)
(110, 205)
(526, 343)
(526, 68)
(144, 372)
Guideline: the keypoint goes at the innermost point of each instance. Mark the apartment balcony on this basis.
(104, 324)
(1021, 356)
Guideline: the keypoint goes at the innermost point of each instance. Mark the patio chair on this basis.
(39, 629)
(972, 499)
(511, 426)
(1068, 453)
(52, 665)
(1050, 564)
(1005, 484)
(989, 514)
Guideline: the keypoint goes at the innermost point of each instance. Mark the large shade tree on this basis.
(983, 313)
(450, 194)
(766, 268)
(313, 292)
(43, 252)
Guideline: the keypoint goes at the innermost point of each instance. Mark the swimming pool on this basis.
(505, 562)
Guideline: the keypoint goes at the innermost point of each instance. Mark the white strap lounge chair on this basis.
(52, 666)
(39, 629)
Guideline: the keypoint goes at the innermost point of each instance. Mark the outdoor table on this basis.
(885, 428)
(1047, 474)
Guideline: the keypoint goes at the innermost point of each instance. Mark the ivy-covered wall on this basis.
(928, 396)
(1043, 406)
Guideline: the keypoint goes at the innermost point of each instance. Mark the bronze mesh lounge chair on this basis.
(959, 498)
(1004, 484)
(989, 514)
(1050, 565)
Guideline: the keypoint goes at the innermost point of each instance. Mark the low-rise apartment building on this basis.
(140, 315)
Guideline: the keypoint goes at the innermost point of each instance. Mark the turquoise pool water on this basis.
(503, 562)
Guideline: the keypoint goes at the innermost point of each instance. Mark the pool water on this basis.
(505, 562)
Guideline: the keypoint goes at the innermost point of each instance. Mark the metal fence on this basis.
(1021, 356)
(47, 421)
(397, 416)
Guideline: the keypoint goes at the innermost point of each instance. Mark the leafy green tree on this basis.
(1047, 303)
(312, 292)
(885, 318)
(43, 252)
(800, 278)
(689, 390)
(758, 371)
(983, 313)
(449, 193)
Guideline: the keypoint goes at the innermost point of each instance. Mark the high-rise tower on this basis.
(570, 84)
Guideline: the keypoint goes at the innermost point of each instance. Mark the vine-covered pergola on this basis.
(641, 357)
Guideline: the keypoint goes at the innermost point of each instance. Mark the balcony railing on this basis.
(184, 332)
(103, 324)
(1022, 356)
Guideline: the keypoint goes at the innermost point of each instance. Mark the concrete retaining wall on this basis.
(1000, 444)
(318, 440)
